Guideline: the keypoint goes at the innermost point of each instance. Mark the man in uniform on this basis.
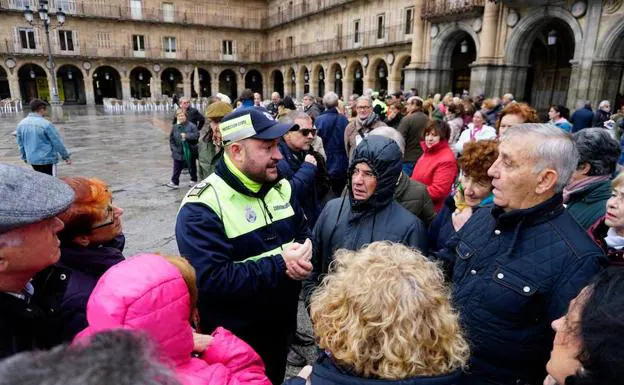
(248, 239)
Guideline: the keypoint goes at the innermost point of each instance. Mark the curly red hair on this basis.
(477, 158)
(523, 110)
(92, 198)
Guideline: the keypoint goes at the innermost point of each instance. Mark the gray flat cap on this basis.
(28, 196)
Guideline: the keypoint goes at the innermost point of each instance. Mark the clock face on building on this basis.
(578, 9)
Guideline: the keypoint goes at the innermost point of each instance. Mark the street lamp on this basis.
(70, 75)
(464, 46)
(44, 16)
(338, 75)
(141, 76)
(552, 37)
(382, 73)
(306, 77)
(321, 76)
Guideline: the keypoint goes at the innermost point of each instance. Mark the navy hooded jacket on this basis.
(347, 223)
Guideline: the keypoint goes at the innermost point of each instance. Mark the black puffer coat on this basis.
(347, 223)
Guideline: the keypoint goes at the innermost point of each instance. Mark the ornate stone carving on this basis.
(611, 6)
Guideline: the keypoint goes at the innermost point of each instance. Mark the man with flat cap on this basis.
(38, 140)
(28, 244)
(248, 239)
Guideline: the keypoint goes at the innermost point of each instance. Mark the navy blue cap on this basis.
(251, 122)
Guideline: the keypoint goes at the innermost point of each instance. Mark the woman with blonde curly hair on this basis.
(384, 314)
(473, 191)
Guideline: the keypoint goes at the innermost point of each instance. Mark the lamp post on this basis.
(44, 16)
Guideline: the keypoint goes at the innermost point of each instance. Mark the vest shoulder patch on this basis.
(198, 189)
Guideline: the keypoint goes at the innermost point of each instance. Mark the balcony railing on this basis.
(300, 9)
(225, 17)
(365, 39)
(85, 49)
(448, 10)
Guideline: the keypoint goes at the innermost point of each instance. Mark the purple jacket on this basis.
(68, 284)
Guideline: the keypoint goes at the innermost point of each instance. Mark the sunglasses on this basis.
(308, 131)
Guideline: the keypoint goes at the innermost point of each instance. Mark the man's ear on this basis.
(584, 168)
(547, 181)
(4, 263)
(81, 240)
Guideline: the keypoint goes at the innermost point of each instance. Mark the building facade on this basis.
(544, 52)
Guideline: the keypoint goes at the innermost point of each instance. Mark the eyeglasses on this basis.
(308, 131)
(110, 218)
(363, 108)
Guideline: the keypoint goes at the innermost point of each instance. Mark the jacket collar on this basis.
(327, 372)
(93, 259)
(435, 148)
(592, 193)
(293, 158)
(532, 216)
(237, 184)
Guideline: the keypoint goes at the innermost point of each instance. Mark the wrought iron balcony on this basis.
(365, 39)
(449, 10)
(300, 9)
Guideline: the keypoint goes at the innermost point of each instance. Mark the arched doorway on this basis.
(253, 81)
(71, 87)
(278, 82)
(106, 84)
(548, 76)
(400, 65)
(358, 79)
(205, 83)
(227, 84)
(381, 76)
(335, 75)
(464, 54)
(321, 82)
(140, 83)
(33, 82)
(171, 82)
(292, 78)
(5, 90)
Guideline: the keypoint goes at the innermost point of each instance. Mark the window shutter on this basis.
(76, 42)
(37, 39)
(233, 47)
(16, 38)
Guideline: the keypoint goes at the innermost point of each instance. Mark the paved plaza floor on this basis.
(130, 152)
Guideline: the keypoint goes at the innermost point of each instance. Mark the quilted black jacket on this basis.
(513, 274)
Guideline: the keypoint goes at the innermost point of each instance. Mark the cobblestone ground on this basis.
(130, 152)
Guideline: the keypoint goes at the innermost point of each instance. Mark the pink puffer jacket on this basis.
(148, 293)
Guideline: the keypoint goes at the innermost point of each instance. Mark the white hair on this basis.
(390, 133)
(330, 100)
(604, 103)
(553, 149)
(366, 98)
(224, 98)
(508, 96)
(368, 92)
(275, 93)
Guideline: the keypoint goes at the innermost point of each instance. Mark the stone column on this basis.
(14, 87)
(125, 89)
(368, 81)
(486, 76)
(214, 83)
(157, 91)
(300, 86)
(89, 93)
(240, 84)
(186, 86)
(394, 84)
(329, 85)
(347, 88)
(418, 34)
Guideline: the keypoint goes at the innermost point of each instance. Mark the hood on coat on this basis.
(384, 157)
(145, 293)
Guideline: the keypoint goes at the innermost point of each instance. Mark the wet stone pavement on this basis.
(130, 152)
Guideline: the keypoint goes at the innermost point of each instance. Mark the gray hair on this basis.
(368, 92)
(330, 100)
(390, 133)
(275, 93)
(185, 99)
(554, 149)
(118, 357)
(597, 148)
(293, 116)
(309, 96)
(366, 98)
(509, 96)
(604, 103)
(354, 97)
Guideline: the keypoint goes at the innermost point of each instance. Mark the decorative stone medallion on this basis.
(434, 31)
(578, 9)
(477, 25)
(390, 58)
(512, 18)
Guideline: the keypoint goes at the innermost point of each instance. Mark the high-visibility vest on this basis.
(243, 214)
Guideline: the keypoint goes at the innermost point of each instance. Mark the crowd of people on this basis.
(440, 240)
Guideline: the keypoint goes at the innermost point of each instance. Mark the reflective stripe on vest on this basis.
(242, 214)
(384, 107)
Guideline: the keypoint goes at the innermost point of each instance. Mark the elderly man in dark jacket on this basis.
(28, 244)
(330, 127)
(516, 265)
(369, 213)
(192, 115)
